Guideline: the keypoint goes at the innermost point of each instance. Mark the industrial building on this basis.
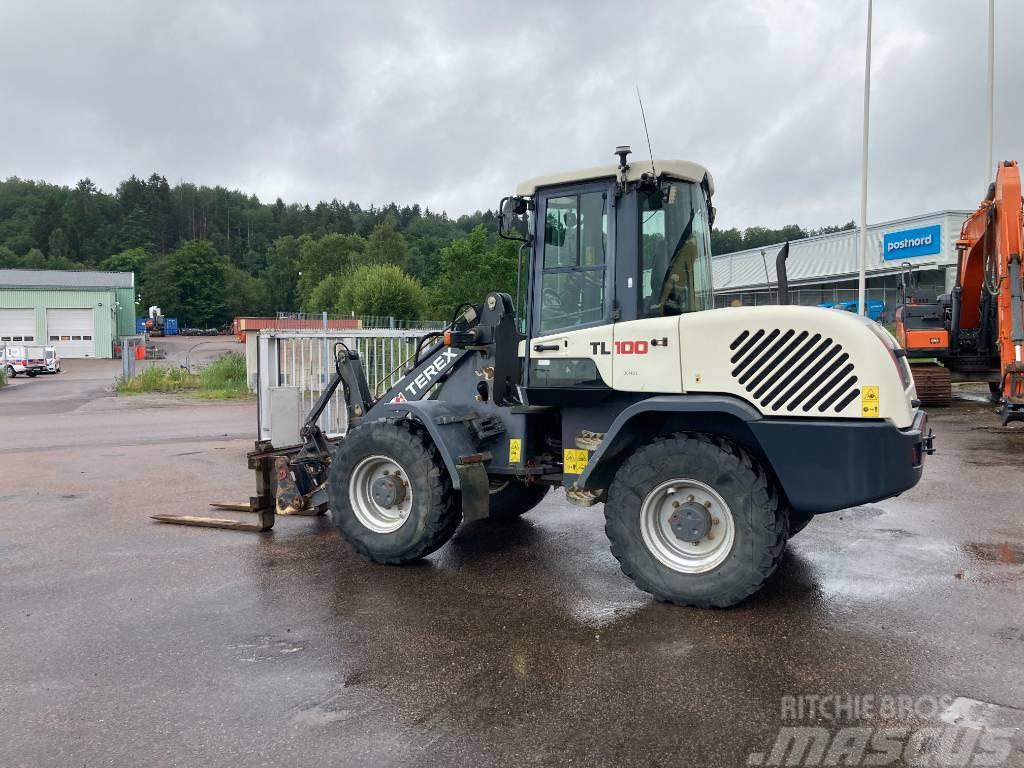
(823, 269)
(81, 314)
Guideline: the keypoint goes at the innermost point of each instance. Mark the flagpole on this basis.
(863, 249)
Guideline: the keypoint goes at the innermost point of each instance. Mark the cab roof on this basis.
(676, 169)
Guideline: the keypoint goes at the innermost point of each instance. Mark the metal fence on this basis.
(366, 321)
(294, 368)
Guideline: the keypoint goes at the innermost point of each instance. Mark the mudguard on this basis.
(621, 433)
(822, 465)
(449, 427)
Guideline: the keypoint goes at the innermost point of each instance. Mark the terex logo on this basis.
(912, 242)
(428, 374)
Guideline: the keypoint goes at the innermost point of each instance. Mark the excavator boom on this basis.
(977, 332)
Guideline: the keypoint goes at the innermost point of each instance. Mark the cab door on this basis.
(570, 341)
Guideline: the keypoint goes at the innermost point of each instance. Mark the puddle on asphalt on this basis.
(865, 512)
(896, 533)
(265, 648)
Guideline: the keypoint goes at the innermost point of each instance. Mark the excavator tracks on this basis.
(933, 383)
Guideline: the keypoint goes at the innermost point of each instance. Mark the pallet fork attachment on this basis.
(290, 481)
(266, 504)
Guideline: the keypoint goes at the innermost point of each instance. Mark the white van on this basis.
(14, 360)
(52, 360)
(31, 360)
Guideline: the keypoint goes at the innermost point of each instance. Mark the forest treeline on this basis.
(207, 254)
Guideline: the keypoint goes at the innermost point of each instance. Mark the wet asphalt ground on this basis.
(128, 643)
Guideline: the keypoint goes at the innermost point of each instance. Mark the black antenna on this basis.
(642, 115)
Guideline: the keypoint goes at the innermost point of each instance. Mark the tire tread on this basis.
(749, 473)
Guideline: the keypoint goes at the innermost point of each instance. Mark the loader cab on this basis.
(611, 244)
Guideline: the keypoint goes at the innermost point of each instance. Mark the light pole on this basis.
(990, 90)
(863, 250)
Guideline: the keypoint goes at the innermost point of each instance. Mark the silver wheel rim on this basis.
(662, 542)
(378, 518)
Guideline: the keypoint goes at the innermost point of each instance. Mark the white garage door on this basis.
(17, 325)
(71, 331)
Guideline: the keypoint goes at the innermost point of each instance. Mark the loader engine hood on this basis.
(801, 362)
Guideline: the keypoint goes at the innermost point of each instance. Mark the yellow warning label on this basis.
(869, 402)
(515, 450)
(575, 460)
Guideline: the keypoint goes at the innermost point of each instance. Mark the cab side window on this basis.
(575, 250)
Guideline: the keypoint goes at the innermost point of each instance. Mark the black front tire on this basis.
(11, 373)
(511, 498)
(436, 508)
(758, 519)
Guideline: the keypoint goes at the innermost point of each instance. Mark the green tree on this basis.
(726, 241)
(34, 259)
(326, 296)
(244, 295)
(327, 255)
(132, 260)
(50, 218)
(385, 245)
(383, 290)
(57, 244)
(188, 284)
(471, 268)
(136, 231)
(282, 274)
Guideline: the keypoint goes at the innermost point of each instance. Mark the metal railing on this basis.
(294, 368)
(366, 321)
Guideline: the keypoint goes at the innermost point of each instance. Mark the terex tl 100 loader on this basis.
(710, 435)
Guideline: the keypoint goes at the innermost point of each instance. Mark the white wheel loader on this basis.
(710, 435)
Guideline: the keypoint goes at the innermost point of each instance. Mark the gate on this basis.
(294, 367)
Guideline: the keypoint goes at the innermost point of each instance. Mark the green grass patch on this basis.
(3, 378)
(223, 379)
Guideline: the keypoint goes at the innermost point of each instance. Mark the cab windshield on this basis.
(675, 250)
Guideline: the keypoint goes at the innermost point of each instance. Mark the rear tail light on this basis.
(897, 354)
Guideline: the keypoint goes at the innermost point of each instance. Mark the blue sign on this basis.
(924, 241)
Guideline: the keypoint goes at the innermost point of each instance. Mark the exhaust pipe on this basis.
(780, 274)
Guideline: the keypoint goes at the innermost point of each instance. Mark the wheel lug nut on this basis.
(714, 521)
(675, 505)
(690, 497)
(707, 505)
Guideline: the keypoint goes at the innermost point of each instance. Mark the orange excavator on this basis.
(975, 333)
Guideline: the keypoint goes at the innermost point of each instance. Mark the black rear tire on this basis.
(511, 498)
(743, 490)
(435, 509)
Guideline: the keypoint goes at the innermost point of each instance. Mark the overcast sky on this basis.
(451, 104)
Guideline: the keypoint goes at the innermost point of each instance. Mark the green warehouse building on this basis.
(82, 314)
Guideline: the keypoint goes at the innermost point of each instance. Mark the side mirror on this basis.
(514, 218)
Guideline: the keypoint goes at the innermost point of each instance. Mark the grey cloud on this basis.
(450, 104)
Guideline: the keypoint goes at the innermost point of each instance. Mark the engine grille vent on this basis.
(787, 370)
